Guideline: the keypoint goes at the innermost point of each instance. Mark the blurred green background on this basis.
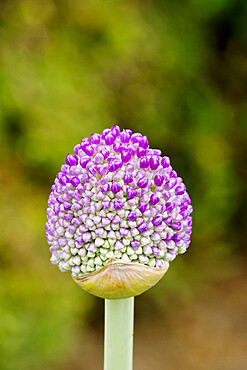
(175, 71)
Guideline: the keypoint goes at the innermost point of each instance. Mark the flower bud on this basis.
(117, 215)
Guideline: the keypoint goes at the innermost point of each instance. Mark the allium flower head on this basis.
(115, 198)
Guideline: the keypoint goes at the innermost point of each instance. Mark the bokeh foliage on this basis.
(175, 71)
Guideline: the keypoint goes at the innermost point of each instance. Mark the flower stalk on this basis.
(118, 214)
(119, 331)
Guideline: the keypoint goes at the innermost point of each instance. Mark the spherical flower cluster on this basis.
(117, 198)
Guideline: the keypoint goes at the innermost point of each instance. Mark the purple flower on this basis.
(132, 216)
(157, 220)
(116, 197)
(75, 181)
(131, 193)
(115, 165)
(143, 182)
(143, 143)
(135, 244)
(143, 207)
(144, 162)
(154, 162)
(118, 204)
(165, 162)
(143, 227)
(115, 187)
(71, 160)
(109, 139)
(125, 155)
(158, 179)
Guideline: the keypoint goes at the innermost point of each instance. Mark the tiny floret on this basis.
(115, 197)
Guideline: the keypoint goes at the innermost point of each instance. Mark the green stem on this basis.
(119, 326)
